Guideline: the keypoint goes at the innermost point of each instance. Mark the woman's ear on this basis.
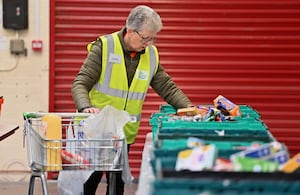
(129, 30)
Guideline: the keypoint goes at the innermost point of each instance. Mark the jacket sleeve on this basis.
(167, 89)
(87, 77)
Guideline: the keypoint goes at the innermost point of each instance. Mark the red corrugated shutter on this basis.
(248, 51)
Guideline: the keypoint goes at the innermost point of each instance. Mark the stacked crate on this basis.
(170, 137)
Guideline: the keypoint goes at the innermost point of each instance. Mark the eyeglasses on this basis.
(146, 39)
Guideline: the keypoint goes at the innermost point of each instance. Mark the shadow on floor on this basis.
(17, 187)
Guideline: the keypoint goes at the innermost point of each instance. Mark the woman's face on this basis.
(139, 40)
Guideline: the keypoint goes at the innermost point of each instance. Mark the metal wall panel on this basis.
(248, 51)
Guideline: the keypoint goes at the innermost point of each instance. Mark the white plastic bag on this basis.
(108, 124)
(70, 182)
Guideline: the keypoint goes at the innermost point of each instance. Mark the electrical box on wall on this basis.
(15, 14)
(17, 46)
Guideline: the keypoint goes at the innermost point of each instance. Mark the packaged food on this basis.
(76, 159)
(291, 165)
(253, 165)
(53, 130)
(222, 102)
(196, 159)
(195, 142)
(222, 164)
(192, 111)
(262, 151)
(280, 157)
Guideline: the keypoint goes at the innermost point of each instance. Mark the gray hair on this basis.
(144, 17)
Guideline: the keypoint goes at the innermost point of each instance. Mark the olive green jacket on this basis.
(90, 72)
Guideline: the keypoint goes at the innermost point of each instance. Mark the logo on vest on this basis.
(133, 119)
(142, 75)
(114, 58)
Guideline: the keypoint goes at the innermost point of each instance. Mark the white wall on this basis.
(23, 83)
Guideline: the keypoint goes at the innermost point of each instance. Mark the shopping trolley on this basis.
(45, 155)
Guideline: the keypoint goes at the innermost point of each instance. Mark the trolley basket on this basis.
(46, 155)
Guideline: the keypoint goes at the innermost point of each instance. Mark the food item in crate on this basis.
(53, 133)
(280, 157)
(258, 156)
(211, 115)
(192, 111)
(291, 165)
(222, 164)
(196, 159)
(76, 159)
(222, 102)
(202, 110)
(262, 151)
(195, 142)
(253, 165)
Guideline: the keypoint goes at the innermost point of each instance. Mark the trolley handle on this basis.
(27, 115)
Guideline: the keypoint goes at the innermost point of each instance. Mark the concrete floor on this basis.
(17, 187)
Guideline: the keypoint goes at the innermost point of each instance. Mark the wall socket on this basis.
(17, 46)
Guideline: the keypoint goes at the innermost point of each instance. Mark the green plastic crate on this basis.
(250, 120)
(212, 192)
(157, 118)
(165, 125)
(227, 131)
(179, 144)
(241, 129)
(167, 156)
(247, 111)
(226, 186)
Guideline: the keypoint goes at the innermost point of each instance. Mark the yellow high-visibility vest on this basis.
(112, 87)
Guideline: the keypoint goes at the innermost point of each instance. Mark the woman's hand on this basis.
(190, 105)
(91, 110)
